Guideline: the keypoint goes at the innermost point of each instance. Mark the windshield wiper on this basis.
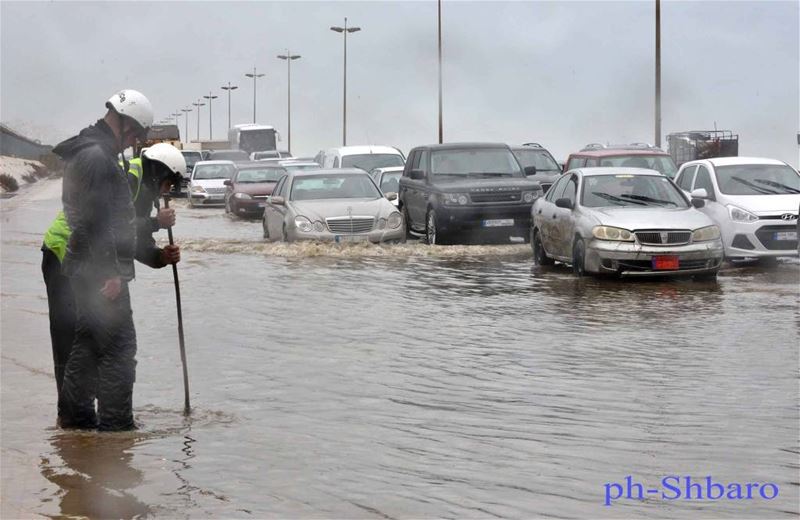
(777, 185)
(645, 198)
(619, 201)
(756, 187)
(489, 174)
(452, 174)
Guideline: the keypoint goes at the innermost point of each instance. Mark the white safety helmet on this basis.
(132, 104)
(167, 155)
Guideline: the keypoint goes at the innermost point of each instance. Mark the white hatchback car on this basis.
(207, 184)
(366, 158)
(753, 201)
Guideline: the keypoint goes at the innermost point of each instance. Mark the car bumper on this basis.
(207, 198)
(632, 259)
(375, 236)
(758, 239)
(461, 218)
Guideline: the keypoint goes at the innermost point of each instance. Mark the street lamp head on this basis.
(254, 75)
(211, 97)
(295, 57)
(337, 29)
(232, 87)
(353, 29)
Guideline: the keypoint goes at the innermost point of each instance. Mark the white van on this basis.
(366, 158)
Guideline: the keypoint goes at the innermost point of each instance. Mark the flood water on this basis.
(405, 382)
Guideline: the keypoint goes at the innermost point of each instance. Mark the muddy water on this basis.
(406, 382)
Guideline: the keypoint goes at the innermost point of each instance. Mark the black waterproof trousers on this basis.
(103, 360)
(61, 305)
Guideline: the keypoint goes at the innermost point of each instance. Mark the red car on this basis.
(248, 189)
(637, 155)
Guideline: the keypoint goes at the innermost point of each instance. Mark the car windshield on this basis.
(213, 171)
(334, 186)
(232, 155)
(639, 191)
(757, 179)
(300, 167)
(260, 175)
(370, 161)
(661, 163)
(266, 155)
(538, 158)
(192, 156)
(390, 182)
(474, 162)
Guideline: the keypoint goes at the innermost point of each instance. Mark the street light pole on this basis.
(198, 105)
(255, 77)
(440, 73)
(658, 73)
(186, 115)
(289, 57)
(210, 97)
(344, 30)
(229, 88)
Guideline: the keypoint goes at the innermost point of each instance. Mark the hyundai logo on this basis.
(788, 216)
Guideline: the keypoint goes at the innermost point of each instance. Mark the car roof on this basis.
(219, 161)
(528, 148)
(618, 152)
(257, 165)
(290, 162)
(328, 171)
(732, 161)
(462, 146)
(588, 172)
(368, 149)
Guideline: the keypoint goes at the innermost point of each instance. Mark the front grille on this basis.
(780, 217)
(670, 237)
(647, 265)
(215, 190)
(503, 196)
(350, 225)
(766, 235)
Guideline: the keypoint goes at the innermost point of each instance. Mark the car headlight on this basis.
(394, 221)
(740, 215)
(198, 189)
(612, 233)
(455, 198)
(706, 233)
(242, 196)
(529, 196)
(303, 224)
(319, 227)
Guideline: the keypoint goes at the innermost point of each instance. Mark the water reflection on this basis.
(95, 475)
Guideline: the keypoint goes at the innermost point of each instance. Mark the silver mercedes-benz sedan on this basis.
(625, 221)
(339, 205)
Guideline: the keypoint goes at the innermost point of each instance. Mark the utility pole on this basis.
(229, 88)
(441, 133)
(344, 30)
(210, 97)
(198, 105)
(658, 73)
(289, 57)
(186, 115)
(255, 77)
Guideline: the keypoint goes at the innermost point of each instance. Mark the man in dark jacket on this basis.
(99, 264)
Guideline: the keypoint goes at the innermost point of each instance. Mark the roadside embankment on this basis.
(15, 173)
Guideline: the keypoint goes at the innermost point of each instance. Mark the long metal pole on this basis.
(198, 122)
(186, 114)
(289, 99)
(344, 90)
(440, 73)
(254, 95)
(229, 106)
(658, 73)
(210, 131)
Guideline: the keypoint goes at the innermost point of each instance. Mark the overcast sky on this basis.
(560, 73)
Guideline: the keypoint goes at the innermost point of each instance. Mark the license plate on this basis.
(665, 263)
(786, 235)
(260, 204)
(350, 238)
(500, 222)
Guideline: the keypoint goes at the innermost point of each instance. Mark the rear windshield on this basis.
(370, 161)
(758, 179)
(213, 171)
(661, 163)
(538, 158)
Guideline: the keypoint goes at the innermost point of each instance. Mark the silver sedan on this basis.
(341, 205)
(626, 221)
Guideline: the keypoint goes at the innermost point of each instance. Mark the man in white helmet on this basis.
(98, 261)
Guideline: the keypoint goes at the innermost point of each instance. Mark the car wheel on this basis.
(284, 236)
(264, 229)
(578, 257)
(406, 224)
(432, 234)
(539, 254)
(228, 206)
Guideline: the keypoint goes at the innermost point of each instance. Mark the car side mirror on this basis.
(564, 203)
(277, 200)
(391, 195)
(698, 203)
(699, 193)
(417, 175)
(227, 182)
(530, 170)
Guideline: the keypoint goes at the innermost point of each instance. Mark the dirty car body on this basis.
(625, 221)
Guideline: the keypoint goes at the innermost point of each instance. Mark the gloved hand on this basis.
(166, 218)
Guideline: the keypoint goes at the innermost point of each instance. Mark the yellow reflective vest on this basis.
(57, 235)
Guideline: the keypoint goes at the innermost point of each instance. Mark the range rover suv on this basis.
(457, 192)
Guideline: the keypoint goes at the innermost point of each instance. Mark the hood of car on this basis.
(255, 188)
(487, 185)
(322, 209)
(651, 218)
(764, 204)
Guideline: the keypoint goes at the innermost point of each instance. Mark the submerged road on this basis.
(407, 381)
